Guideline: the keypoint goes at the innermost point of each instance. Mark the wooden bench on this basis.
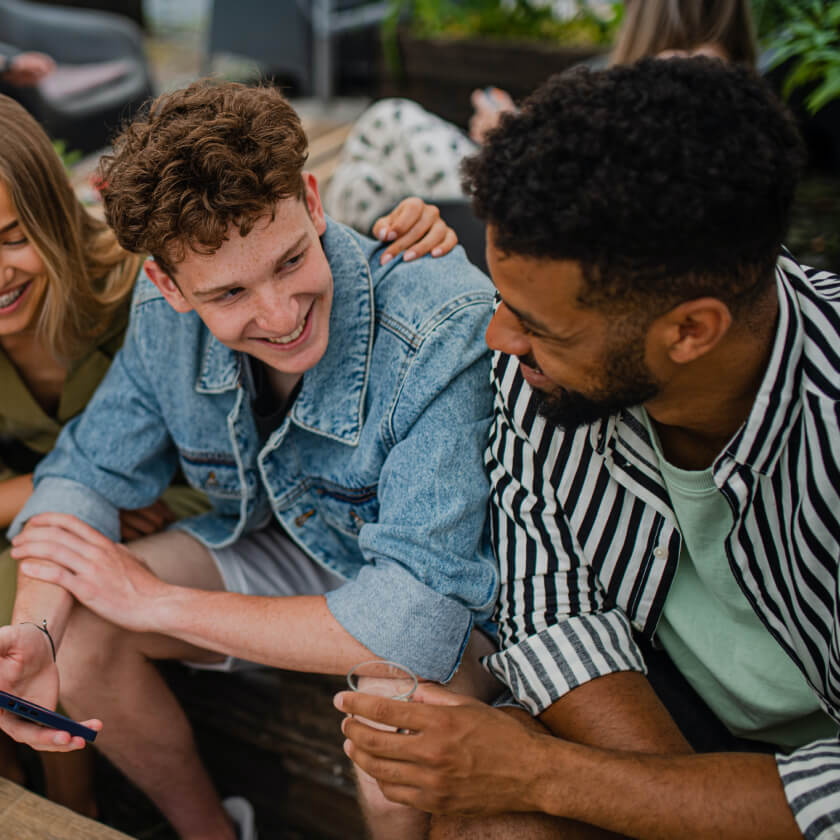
(269, 735)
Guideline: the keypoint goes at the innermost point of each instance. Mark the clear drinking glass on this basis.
(384, 679)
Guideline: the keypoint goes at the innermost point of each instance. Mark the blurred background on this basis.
(333, 57)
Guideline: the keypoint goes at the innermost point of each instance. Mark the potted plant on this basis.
(439, 51)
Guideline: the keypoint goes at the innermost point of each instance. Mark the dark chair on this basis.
(106, 79)
(291, 39)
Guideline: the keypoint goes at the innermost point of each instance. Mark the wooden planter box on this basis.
(441, 73)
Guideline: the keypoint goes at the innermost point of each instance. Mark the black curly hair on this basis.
(666, 180)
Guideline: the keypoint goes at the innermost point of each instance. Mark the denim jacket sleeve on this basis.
(116, 454)
(429, 550)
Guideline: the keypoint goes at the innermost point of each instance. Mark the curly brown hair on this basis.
(197, 161)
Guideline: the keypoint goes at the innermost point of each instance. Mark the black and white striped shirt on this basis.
(588, 543)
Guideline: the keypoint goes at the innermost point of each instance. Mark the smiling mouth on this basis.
(530, 362)
(7, 299)
(292, 336)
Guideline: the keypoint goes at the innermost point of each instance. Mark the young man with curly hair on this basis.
(333, 410)
(664, 481)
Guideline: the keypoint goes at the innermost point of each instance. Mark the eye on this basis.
(230, 294)
(15, 242)
(292, 261)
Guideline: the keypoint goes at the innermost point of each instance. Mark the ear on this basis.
(692, 329)
(167, 287)
(313, 203)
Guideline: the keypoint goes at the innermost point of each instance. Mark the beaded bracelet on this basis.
(46, 632)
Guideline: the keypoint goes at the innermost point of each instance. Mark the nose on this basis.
(504, 333)
(277, 313)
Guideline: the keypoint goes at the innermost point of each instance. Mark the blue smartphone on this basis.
(46, 717)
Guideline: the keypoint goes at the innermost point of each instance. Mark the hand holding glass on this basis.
(384, 679)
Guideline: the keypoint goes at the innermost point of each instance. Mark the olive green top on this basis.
(24, 421)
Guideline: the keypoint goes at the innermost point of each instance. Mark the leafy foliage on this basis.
(508, 19)
(806, 33)
(68, 157)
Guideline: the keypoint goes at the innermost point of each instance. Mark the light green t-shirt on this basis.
(713, 635)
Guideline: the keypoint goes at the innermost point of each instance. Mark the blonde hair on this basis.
(653, 26)
(88, 274)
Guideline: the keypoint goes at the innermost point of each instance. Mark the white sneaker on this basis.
(241, 812)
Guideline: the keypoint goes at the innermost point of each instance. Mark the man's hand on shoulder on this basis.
(414, 229)
(103, 575)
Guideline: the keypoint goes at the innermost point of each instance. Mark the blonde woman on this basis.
(65, 286)
(398, 148)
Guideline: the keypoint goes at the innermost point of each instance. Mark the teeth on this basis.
(288, 339)
(10, 297)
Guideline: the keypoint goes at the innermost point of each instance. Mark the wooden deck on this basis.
(25, 816)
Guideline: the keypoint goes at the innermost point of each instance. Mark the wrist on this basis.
(558, 765)
(166, 609)
(45, 634)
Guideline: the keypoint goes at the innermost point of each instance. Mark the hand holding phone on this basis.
(46, 717)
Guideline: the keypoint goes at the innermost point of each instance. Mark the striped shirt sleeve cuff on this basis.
(811, 779)
(542, 668)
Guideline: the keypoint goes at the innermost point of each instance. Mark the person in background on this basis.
(23, 69)
(397, 148)
(65, 288)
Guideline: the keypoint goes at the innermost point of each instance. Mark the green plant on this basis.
(805, 33)
(68, 157)
(522, 20)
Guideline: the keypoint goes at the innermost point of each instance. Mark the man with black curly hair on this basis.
(665, 481)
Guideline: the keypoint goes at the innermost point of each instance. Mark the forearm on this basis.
(724, 795)
(13, 495)
(297, 633)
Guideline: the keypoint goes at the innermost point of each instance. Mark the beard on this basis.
(627, 382)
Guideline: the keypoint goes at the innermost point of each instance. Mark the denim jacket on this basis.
(376, 472)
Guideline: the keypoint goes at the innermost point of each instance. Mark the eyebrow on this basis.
(278, 264)
(11, 226)
(528, 319)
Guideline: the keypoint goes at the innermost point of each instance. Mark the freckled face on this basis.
(268, 294)
(583, 364)
(23, 280)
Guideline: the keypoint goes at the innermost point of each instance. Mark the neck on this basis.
(699, 412)
(282, 384)
(39, 370)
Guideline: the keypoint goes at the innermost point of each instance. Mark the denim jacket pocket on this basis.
(347, 509)
(214, 473)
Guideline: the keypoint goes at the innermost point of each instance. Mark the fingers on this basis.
(429, 234)
(394, 713)
(40, 737)
(383, 743)
(69, 523)
(438, 695)
(57, 545)
(405, 215)
(145, 521)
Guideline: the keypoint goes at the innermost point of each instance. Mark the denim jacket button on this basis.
(299, 520)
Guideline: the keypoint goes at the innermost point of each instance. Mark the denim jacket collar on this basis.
(332, 398)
